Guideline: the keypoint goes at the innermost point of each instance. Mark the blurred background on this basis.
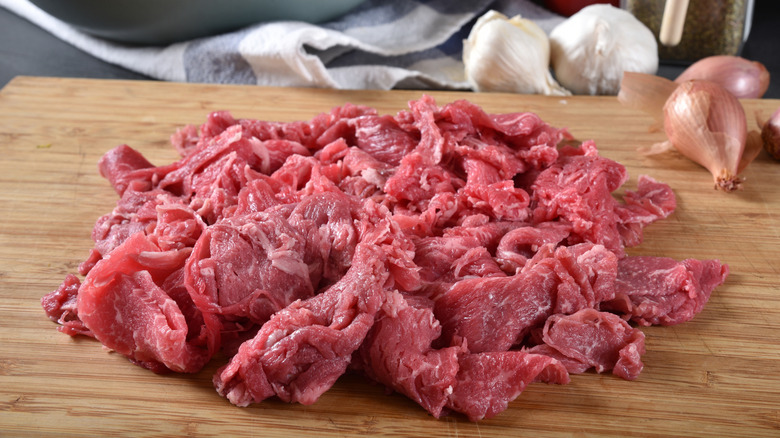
(30, 48)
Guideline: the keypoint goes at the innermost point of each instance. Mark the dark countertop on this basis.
(26, 49)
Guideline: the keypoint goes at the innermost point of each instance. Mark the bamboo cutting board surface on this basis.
(718, 375)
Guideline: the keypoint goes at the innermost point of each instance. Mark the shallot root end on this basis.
(728, 182)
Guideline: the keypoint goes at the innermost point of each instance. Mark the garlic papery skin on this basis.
(509, 55)
(707, 124)
(743, 78)
(592, 49)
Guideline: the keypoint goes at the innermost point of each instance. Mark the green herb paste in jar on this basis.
(712, 27)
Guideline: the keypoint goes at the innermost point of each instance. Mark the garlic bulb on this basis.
(594, 47)
(509, 55)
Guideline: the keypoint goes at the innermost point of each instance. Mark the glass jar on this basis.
(711, 27)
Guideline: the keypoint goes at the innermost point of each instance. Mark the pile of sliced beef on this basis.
(452, 255)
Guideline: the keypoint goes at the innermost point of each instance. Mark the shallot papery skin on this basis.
(743, 78)
(707, 124)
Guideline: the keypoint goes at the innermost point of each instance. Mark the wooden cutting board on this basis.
(718, 375)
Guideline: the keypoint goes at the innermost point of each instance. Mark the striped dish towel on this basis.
(379, 45)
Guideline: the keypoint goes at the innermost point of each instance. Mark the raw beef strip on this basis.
(313, 134)
(296, 173)
(326, 221)
(353, 170)
(526, 132)
(260, 193)
(488, 163)
(578, 189)
(61, 307)
(489, 187)
(594, 339)
(650, 202)
(216, 187)
(155, 212)
(529, 136)
(663, 291)
(487, 382)
(246, 268)
(452, 258)
(500, 201)
(397, 352)
(432, 147)
(185, 139)
(124, 168)
(416, 181)
(177, 226)
(216, 123)
(327, 127)
(521, 243)
(438, 214)
(260, 156)
(493, 314)
(383, 138)
(488, 233)
(124, 301)
(377, 227)
(303, 349)
(365, 176)
(135, 212)
(587, 273)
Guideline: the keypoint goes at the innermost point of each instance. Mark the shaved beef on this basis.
(449, 254)
(650, 202)
(499, 201)
(135, 212)
(416, 181)
(381, 137)
(327, 220)
(304, 348)
(125, 302)
(118, 164)
(577, 190)
(258, 195)
(487, 233)
(61, 306)
(520, 244)
(590, 338)
(398, 352)
(517, 303)
(553, 282)
(663, 291)
(452, 258)
(249, 267)
(487, 382)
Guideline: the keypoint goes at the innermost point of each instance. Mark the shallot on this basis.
(702, 121)
(743, 78)
(770, 134)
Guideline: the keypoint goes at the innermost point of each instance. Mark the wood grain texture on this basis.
(718, 375)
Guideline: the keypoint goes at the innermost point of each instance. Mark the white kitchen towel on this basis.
(381, 44)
